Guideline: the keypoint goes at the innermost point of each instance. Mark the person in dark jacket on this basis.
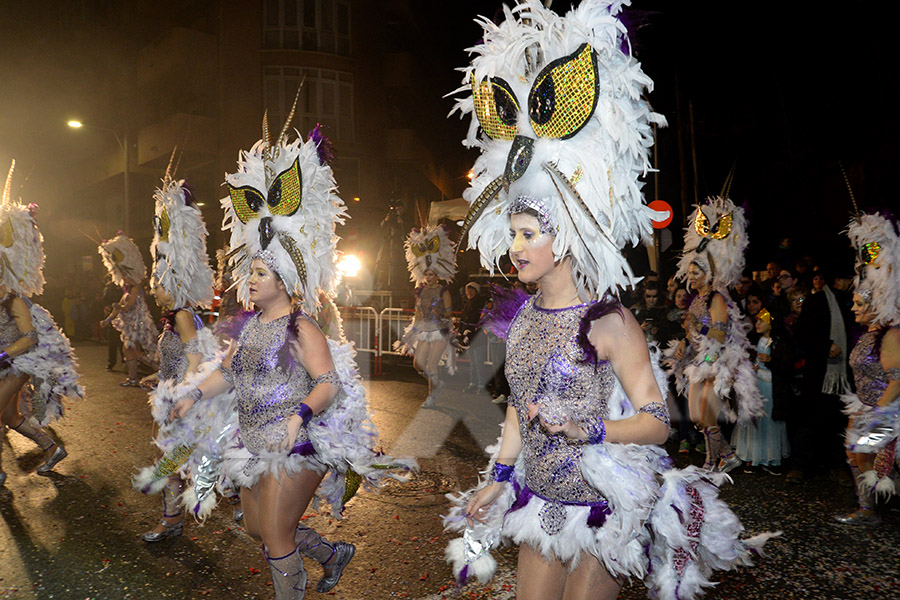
(472, 337)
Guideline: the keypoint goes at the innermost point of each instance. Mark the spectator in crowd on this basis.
(781, 304)
(741, 289)
(764, 442)
(472, 337)
(688, 436)
(822, 336)
(651, 315)
(772, 271)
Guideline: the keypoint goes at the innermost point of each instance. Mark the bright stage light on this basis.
(75, 124)
(349, 265)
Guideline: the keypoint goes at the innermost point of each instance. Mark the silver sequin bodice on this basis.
(267, 394)
(543, 364)
(697, 317)
(430, 298)
(871, 379)
(9, 331)
(173, 362)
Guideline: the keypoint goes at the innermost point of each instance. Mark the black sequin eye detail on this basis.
(564, 95)
(496, 108)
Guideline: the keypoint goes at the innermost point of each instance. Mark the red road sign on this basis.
(663, 207)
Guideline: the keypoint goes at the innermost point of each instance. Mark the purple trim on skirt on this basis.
(303, 449)
(596, 517)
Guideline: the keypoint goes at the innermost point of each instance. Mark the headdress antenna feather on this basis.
(8, 186)
(849, 189)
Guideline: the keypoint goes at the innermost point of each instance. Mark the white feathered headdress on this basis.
(21, 244)
(715, 238)
(123, 259)
(877, 241)
(180, 262)
(560, 119)
(282, 208)
(429, 249)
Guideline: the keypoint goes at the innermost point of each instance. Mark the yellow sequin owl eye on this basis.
(161, 224)
(496, 108)
(419, 249)
(721, 229)
(564, 95)
(870, 252)
(433, 245)
(286, 192)
(246, 202)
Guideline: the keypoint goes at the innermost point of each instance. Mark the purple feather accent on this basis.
(608, 304)
(232, 326)
(506, 306)
(463, 575)
(324, 147)
(597, 515)
(188, 194)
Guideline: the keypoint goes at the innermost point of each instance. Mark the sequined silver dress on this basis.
(267, 395)
(544, 364)
(136, 327)
(871, 379)
(10, 334)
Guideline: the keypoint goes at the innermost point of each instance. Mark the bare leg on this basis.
(591, 581)
(537, 578)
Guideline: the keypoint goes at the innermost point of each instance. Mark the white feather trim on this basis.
(430, 249)
(722, 259)
(22, 250)
(123, 260)
(879, 279)
(51, 365)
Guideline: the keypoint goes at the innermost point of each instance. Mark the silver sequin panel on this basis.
(871, 379)
(173, 363)
(543, 365)
(267, 395)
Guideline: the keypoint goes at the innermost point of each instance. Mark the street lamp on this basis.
(126, 152)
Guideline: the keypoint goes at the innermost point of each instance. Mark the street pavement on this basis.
(75, 534)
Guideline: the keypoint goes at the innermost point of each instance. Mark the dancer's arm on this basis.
(890, 362)
(718, 312)
(187, 331)
(313, 354)
(213, 385)
(18, 310)
(510, 447)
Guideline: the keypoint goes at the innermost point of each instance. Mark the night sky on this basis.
(787, 90)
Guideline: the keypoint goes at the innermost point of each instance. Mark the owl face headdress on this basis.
(429, 249)
(180, 262)
(715, 239)
(21, 245)
(282, 208)
(877, 243)
(560, 121)
(123, 260)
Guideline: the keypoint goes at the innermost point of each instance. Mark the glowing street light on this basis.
(124, 146)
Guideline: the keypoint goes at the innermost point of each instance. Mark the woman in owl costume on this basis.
(431, 262)
(301, 406)
(713, 365)
(35, 356)
(130, 316)
(577, 479)
(875, 409)
(182, 282)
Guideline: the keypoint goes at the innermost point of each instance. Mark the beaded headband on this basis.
(523, 203)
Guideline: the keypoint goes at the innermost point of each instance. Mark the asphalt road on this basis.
(74, 534)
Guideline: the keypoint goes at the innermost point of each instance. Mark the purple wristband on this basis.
(502, 472)
(704, 330)
(599, 434)
(305, 413)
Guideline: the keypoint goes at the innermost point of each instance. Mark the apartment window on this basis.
(312, 25)
(326, 98)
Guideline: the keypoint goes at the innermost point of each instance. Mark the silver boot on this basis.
(288, 575)
(171, 501)
(58, 454)
(343, 554)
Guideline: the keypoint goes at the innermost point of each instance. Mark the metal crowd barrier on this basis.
(375, 333)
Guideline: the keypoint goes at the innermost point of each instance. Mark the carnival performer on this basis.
(182, 282)
(431, 262)
(301, 406)
(35, 356)
(874, 410)
(130, 316)
(713, 362)
(577, 479)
